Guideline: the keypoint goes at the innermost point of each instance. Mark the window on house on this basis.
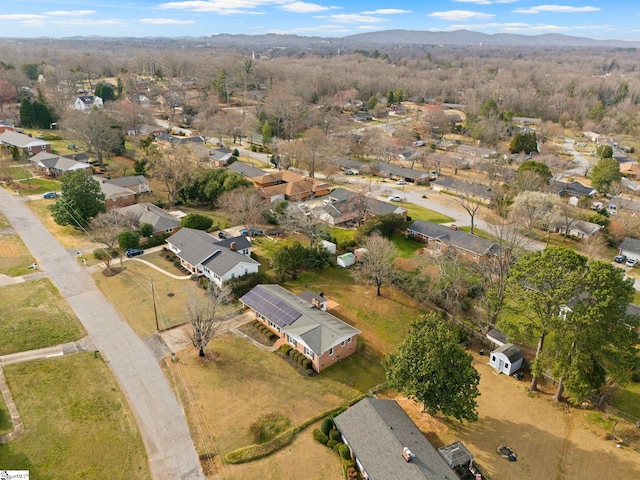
(342, 343)
(349, 341)
(331, 351)
(292, 341)
(308, 353)
(493, 358)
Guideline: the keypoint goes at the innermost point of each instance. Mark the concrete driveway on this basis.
(160, 417)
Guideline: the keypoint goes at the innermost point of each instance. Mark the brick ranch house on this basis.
(303, 322)
(440, 239)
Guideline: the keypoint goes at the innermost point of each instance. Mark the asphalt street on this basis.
(160, 416)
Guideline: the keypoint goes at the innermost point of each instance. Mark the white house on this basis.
(507, 359)
(218, 260)
(87, 102)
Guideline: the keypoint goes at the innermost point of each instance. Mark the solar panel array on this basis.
(273, 308)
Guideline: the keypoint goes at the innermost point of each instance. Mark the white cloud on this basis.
(70, 13)
(457, 15)
(304, 7)
(352, 18)
(89, 22)
(385, 11)
(556, 9)
(221, 6)
(165, 21)
(485, 2)
(22, 17)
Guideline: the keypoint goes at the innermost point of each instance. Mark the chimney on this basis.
(146, 207)
(233, 246)
(74, 157)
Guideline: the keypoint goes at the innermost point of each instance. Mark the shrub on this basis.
(345, 452)
(285, 349)
(176, 263)
(241, 285)
(196, 221)
(98, 254)
(306, 364)
(327, 425)
(320, 436)
(331, 443)
(334, 434)
(336, 448)
(268, 427)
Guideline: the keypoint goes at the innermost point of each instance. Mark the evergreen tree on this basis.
(26, 113)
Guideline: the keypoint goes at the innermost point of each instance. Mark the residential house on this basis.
(161, 220)
(288, 185)
(476, 191)
(218, 260)
(303, 324)
(246, 170)
(55, 165)
(630, 184)
(218, 157)
(6, 125)
(526, 120)
(630, 169)
(477, 151)
(387, 445)
(577, 228)
(347, 164)
(116, 196)
(25, 143)
(440, 239)
(396, 172)
(87, 102)
(574, 188)
(621, 204)
(177, 140)
(630, 247)
(137, 183)
(349, 208)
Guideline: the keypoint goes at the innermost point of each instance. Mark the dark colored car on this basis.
(134, 252)
(620, 258)
(223, 234)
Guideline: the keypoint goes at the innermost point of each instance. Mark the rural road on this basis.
(160, 417)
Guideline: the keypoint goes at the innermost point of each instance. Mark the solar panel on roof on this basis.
(272, 307)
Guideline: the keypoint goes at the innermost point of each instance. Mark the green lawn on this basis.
(32, 315)
(38, 185)
(77, 422)
(15, 258)
(421, 213)
(627, 399)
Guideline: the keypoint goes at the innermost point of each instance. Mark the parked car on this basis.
(401, 182)
(620, 258)
(51, 195)
(253, 232)
(134, 252)
(223, 234)
(632, 262)
(349, 172)
(419, 143)
(395, 198)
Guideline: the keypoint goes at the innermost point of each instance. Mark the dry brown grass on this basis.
(224, 397)
(15, 258)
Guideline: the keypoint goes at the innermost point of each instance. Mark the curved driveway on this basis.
(160, 417)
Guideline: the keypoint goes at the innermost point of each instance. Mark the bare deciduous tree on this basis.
(244, 205)
(105, 228)
(174, 168)
(203, 316)
(471, 206)
(376, 264)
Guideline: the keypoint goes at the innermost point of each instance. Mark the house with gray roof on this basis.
(396, 172)
(349, 208)
(137, 183)
(26, 143)
(387, 445)
(55, 165)
(161, 220)
(218, 260)
(246, 170)
(571, 188)
(630, 247)
(304, 325)
(440, 239)
(350, 164)
(576, 228)
(116, 196)
(478, 191)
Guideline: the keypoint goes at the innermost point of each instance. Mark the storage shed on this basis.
(507, 359)
(330, 246)
(346, 260)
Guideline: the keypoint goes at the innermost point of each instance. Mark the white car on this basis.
(395, 198)
(401, 182)
(632, 262)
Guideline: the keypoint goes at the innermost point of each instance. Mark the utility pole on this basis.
(155, 310)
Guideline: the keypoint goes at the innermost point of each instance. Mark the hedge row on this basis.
(254, 452)
(296, 356)
(266, 331)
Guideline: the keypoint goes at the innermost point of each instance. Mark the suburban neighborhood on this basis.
(212, 280)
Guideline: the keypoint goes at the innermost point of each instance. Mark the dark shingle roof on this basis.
(454, 237)
(398, 171)
(510, 351)
(476, 189)
(128, 181)
(377, 431)
(631, 245)
(246, 170)
(149, 213)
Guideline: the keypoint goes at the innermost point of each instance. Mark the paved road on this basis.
(160, 417)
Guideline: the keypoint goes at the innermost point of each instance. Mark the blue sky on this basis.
(610, 19)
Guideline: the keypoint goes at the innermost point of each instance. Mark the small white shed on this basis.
(346, 260)
(507, 359)
(330, 246)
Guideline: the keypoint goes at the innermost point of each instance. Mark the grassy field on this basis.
(36, 186)
(77, 422)
(246, 383)
(67, 236)
(32, 315)
(130, 292)
(420, 213)
(627, 399)
(14, 255)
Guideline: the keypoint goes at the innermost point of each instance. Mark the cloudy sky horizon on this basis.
(599, 19)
